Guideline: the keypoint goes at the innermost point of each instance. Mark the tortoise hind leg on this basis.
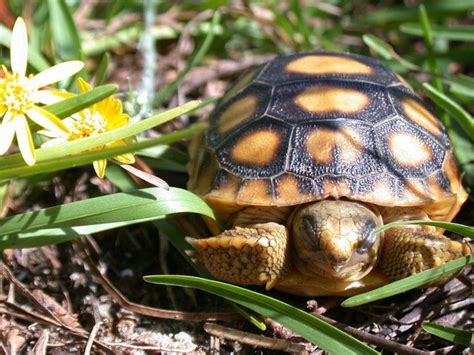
(407, 251)
(253, 255)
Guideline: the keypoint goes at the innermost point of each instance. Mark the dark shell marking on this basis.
(314, 125)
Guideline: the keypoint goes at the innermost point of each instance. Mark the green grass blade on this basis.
(177, 240)
(101, 72)
(21, 170)
(67, 107)
(66, 38)
(451, 334)
(311, 328)
(382, 48)
(125, 207)
(460, 84)
(453, 108)
(455, 33)
(433, 64)
(120, 179)
(453, 227)
(386, 51)
(130, 35)
(409, 283)
(402, 13)
(197, 58)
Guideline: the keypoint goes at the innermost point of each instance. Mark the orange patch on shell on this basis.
(381, 193)
(287, 189)
(327, 64)
(408, 150)
(321, 143)
(421, 116)
(237, 113)
(336, 189)
(256, 191)
(320, 99)
(257, 148)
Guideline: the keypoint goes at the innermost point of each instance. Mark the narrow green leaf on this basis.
(66, 38)
(47, 155)
(409, 283)
(119, 178)
(88, 157)
(177, 239)
(432, 62)
(386, 51)
(326, 336)
(67, 107)
(460, 229)
(101, 73)
(456, 33)
(124, 208)
(382, 48)
(401, 13)
(460, 84)
(453, 108)
(451, 334)
(197, 58)
(97, 44)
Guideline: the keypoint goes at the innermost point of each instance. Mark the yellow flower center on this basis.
(90, 124)
(14, 94)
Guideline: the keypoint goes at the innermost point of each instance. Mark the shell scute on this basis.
(332, 99)
(343, 66)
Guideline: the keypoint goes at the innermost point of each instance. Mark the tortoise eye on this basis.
(311, 229)
(368, 236)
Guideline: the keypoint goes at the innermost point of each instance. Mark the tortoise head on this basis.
(335, 239)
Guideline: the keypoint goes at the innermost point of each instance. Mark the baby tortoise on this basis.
(304, 157)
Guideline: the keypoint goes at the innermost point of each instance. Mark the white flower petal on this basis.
(7, 118)
(47, 120)
(19, 48)
(53, 142)
(46, 97)
(24, 139)
(7, 132)
(49, 134)
(54, 74)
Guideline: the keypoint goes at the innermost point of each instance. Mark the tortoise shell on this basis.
(309, 126)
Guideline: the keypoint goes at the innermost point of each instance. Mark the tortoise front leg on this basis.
(257, 254)
(407, 251)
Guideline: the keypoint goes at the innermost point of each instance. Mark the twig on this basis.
(24, 290)
(141, 309)
(373, 339)
(92, 336)
(253, 339)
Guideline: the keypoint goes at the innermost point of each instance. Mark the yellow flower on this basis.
(19, 95)
(101, 117)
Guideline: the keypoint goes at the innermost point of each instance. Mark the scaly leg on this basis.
(407, 251)
(253, 255)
